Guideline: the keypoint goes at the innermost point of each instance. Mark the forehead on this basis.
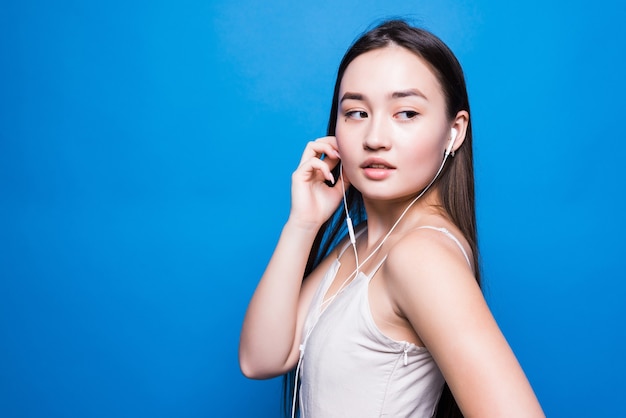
(389, 69)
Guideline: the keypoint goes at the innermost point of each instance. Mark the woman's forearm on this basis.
(269, 328)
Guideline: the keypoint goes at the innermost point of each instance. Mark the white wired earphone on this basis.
(326, 303)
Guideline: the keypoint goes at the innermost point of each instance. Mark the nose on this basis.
(377, 135)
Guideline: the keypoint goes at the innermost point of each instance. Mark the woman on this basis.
(390, 314)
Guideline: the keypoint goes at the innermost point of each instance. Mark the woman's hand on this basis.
(312, 200)
(272, 328)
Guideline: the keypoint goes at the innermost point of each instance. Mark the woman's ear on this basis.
(459, 128)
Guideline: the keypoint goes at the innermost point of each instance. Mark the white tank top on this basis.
(351, 369)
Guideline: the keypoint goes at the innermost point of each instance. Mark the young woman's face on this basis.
(392, 126)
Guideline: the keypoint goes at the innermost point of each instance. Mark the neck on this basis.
(397, 216)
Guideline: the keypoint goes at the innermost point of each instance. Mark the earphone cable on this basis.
(325, 303)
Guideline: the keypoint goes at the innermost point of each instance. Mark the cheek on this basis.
(345, 142)
(426, 151)
(349, 157)
(340, 130)
(423, 157)
(348, 160)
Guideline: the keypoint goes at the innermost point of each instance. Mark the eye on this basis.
(406, 115)
(355, 114)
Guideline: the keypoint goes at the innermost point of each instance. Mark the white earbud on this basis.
(452, 139)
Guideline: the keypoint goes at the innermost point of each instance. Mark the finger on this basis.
(329, 140)
(314, 166)
(319, 150)
(324, 147)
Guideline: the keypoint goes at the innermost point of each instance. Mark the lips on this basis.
(377, 169)
(377, 163)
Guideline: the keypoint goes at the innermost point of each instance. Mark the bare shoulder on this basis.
(427, 254)
(431, 285)
(405, 285)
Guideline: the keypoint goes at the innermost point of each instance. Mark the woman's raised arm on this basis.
(272, 326)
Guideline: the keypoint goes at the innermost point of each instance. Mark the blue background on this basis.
(146, 149)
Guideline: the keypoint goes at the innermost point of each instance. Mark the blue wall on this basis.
(146, 149)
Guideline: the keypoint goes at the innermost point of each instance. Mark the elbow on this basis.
(248, 371)
(259, 369)
(255, 373)
(253, 370)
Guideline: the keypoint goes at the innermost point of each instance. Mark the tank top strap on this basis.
(348, 243)
(452, 237)
(376, 268)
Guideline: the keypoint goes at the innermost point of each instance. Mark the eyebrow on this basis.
(408, 93)
(394, 95)
(351, 96)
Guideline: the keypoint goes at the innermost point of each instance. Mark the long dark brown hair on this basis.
(455, 184)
